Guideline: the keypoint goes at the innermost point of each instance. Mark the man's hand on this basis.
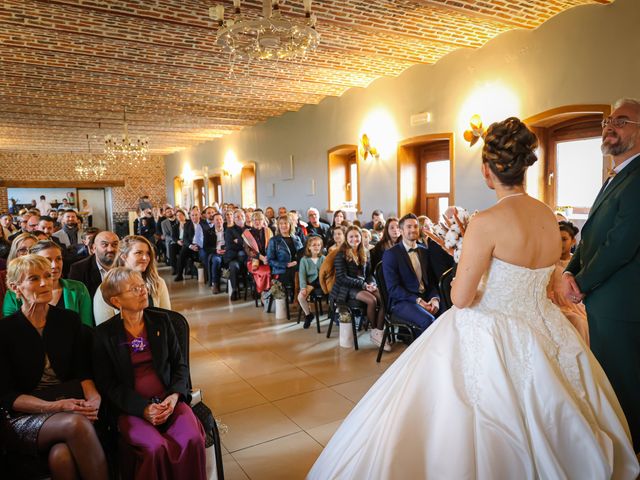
(194, 247)
(570, 288)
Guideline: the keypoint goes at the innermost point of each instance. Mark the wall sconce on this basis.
(366, 149)
(231, 166)
(476, 130)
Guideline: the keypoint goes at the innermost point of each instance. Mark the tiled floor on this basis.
(281, 390)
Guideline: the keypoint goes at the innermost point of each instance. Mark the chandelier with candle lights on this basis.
(269, 37)
(126, 151)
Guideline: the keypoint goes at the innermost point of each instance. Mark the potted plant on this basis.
(346, 328)
(278, 293)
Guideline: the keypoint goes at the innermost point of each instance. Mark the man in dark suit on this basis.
(605, 269)
(410, 281)
(93, 269)
(234, 254)
(213, 247)
(192, 242)
(166, 232)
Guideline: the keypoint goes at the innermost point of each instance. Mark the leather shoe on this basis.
(308, 319)
(179, 278)
(215, 288)
(235, 296)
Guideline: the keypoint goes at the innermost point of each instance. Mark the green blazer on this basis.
(606, 263)
(76, 297)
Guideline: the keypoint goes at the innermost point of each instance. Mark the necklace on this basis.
(512, 195)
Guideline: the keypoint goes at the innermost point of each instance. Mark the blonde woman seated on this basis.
(21, 245)
(69, 294)
(142, 375)
(575, 312)
(137, 254)
(256, 240)
(45, 382)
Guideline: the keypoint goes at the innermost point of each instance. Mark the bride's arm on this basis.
(477, 250)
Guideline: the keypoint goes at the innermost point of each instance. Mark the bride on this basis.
(501, 386)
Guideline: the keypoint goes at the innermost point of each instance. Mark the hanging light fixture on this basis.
(90, 167)
(270, 37)
(129, 152)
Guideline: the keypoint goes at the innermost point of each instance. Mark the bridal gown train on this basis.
(505, 389)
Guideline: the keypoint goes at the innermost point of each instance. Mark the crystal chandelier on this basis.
(90, 167)
(270, 37)
(128, 152)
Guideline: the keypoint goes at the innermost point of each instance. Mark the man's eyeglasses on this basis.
(617, 122)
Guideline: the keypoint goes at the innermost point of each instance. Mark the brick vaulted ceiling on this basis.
(68, 67)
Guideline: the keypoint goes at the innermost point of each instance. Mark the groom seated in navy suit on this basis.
(411, 283)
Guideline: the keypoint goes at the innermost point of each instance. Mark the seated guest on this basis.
(228, 218)
(315, 226)
(234, 255)
(143, 375)
(337, 240)
(191, 242)
(366, 240)
(256, 239)
(136, 253)
(309, 275)
(389, 239)
(282, 251)
(6, 223)
(337, 222)
(47, 225)
(91, 270)
(177, 239)
(575, 312)
(66, 293)
(33, 222)
(354, 281)
(68, 234)
(5, 248)
(439, 260)
(282, 211)
(87, 239)
(166, 228)
(376, 218)
(214, 246)
(53, 213)
(301, 227)
(44, 380)
(410, 280)
(270, 216)
(21, 245)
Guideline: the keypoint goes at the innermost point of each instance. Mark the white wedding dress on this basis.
(505, 389)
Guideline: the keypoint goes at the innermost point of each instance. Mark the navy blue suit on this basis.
(403, 287)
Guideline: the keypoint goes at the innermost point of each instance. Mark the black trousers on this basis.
(237, 266)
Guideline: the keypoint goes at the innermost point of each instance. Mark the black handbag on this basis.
(204, 414)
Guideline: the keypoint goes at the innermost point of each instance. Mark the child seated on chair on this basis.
(575, 313)
(308, 274)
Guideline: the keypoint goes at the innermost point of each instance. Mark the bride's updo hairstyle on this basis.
(509, 149)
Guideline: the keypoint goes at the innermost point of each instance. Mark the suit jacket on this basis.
(233, 242)
(86, 271)
(22, 352)
(112, 362)
(400, 277)
(606, 263)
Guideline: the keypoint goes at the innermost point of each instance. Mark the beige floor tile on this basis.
(287, 458)
(232, 471)
(255, 425)
(254, 364)
(287, 383)
(208, 372)
(315, 408)
(355, 390)
(323, 433)
(232, 397)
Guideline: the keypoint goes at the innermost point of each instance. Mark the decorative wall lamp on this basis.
(366, 149)
(476, 130)
(231, 165)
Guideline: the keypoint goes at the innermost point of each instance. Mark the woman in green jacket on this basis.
(69, 294)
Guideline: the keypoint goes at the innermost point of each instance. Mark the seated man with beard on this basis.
(94, 268)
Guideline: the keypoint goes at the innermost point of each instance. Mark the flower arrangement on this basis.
(344, 315)
(277, 290)
(449, 232)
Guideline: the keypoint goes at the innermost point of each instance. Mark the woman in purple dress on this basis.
(141, 371)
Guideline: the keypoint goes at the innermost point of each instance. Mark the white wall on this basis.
(586, 55)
